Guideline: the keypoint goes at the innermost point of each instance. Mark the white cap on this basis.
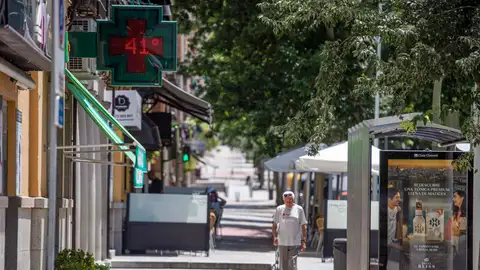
(289, 192)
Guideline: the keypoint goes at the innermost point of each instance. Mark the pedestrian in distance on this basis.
(156, 185)
(289, 231)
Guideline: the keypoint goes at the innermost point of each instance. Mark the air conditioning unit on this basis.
(84, 68)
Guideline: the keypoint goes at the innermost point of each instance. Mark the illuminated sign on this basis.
(136, 45)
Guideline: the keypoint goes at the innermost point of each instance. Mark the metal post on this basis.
(57, 88)
(377, 95)
(308, 182)
(375, 179)
(270, 186)
(109, 199)
(476, 194)
(178, 181)
(295, 186)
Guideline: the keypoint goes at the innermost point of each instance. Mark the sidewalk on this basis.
(220, 259)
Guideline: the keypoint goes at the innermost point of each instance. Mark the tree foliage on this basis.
(253, 79)
(424, 43)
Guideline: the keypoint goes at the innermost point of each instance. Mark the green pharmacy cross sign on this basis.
(135, 45)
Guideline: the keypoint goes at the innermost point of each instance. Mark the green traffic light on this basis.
(186, 158)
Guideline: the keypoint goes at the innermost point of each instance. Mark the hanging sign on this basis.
(128, 109)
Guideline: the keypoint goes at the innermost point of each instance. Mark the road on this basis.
(245, 234)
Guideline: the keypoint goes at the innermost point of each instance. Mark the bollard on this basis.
(237, 196)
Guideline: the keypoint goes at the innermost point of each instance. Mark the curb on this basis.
(192, 265)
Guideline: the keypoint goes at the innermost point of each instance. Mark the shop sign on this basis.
(42, 21)
(128, 109)
(61, 25)
(138, 178)
(425, 209)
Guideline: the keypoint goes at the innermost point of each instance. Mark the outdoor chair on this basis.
(218, 223)
(213, 220)
(318, 237)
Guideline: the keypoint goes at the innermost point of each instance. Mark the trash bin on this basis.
(340, 254)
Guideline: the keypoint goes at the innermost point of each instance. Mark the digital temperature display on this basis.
(136, 46)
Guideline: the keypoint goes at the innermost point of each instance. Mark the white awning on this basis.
(334, 159)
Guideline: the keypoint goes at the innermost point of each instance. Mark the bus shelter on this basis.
(360, 138)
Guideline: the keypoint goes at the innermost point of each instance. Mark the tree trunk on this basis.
(437, 105)
(261, 174)
(437, 100)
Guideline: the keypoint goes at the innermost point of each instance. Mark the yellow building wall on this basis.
(119, 175)
(38, 116)
(33, 155)
(24, 107)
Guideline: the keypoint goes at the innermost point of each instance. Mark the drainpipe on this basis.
(110, 244)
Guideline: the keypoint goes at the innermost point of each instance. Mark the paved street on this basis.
(245, 237)
(244, 240)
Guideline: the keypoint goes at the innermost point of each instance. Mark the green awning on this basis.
(102, 118)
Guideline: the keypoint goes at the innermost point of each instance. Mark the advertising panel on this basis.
(425, 213)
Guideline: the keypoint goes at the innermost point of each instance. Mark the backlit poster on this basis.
(425, 215)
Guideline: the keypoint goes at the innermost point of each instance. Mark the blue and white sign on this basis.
(141, 162)
(138, 178)
(59, 111)
(61, 24)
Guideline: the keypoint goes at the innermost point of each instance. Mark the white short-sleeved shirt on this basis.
(289, 223)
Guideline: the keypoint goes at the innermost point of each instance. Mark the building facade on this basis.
(167, 108)
(24, 86)
(92, 180)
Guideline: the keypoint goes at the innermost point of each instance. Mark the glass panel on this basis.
(424, 210)
(189, 208)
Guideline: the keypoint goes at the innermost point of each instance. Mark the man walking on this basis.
(289, 231)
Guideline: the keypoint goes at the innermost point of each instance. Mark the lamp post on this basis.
(55, 120)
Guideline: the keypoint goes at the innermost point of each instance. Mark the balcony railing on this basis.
(26, 30)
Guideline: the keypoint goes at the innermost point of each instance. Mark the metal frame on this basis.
(360, 138)
(72, 154)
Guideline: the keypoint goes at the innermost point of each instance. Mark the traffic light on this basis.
(186, 154)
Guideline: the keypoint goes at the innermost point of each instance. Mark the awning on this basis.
(285, 161)
(149, 136)
(134, 151)
(176, 97)
(334, 159)
(24, 81)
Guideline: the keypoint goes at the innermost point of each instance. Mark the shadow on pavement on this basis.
(242, 243)
(246, 206)
(269, 222)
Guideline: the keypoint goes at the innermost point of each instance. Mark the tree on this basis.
(253, 79)
(430, 55)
